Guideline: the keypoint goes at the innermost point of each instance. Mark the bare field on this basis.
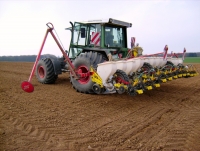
(56, 117)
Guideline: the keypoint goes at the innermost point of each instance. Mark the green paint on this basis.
(192, 60)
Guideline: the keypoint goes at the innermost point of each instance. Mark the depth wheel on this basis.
(121, 77)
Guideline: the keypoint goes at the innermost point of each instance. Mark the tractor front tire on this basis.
(45, 71)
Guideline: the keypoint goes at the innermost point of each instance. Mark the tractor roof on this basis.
(104, 21)
(110, 21)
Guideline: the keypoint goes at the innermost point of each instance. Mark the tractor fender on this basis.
(104, 52)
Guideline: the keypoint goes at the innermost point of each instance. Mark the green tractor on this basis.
(92, 42)
(99, 61)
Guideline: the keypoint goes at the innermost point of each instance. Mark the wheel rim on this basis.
(120, 79)
(83, 69)
(41, 72)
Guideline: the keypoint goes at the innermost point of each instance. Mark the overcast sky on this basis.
(155, 23)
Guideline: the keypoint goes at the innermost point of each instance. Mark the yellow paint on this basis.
(157, 85)
(96, 78)
(164, 80)
(170, 78)
(118, 85)
(144, 76)
(139, 91)
(149, 87)
(180, 75)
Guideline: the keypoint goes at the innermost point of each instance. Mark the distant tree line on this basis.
(193, 55)
(32, 58)
(24, 58)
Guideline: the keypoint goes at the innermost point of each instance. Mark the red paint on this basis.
(27, 86)
(95, 39)
(120, 80)
(41, 72)
(84, 74)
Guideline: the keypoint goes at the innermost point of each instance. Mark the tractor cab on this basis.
(103, 36)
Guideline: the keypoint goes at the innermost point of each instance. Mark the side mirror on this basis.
(82, 32)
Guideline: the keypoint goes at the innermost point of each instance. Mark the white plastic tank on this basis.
(163, 62)
(106, 69)
(175, 61)
(180, 60)
(130, 66)
(169, 59)
(146, 59)
(121, 65)
(136, 64)
(142, 61)
(154, 61)
(151, 61)
(157, 62)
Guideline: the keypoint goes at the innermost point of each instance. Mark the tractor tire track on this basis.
(118, 136)
(56, 117)
(35, 133)
(181, 136)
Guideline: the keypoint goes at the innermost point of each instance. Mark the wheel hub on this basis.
(41, 72)
(85, 77)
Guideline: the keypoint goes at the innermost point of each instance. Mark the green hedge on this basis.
(192, 60)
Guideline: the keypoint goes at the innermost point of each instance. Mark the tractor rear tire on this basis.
(45, 71)
(84, 62)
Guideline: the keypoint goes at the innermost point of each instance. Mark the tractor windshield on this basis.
(114, 36)
(84, 35)
(79, 39)
(80, 34)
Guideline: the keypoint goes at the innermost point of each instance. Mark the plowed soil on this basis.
(56, 117)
